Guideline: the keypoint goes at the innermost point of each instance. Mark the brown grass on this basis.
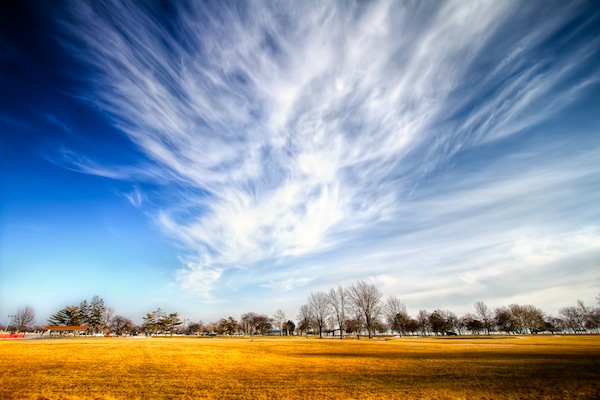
(269, 368)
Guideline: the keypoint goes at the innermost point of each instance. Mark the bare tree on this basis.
(338, 300)
(210, 328)
(582, 317)
(452, 320)
(518, 317)
(120, 324)
(423, 321)
(575, 318)
(505, 320)
(195, 328)
(440, 321)
(533, 318)
(472, 324)
(252, 323)
(459, 324)
(366, 299)
(23, 318)
(304, 318)
(525, 318)
(263, 324)
(318, 304)
(248, 323)
(107, 317)
(354, 324)
(279, 319)
(289, 327)
(395, 314)
(485, 315)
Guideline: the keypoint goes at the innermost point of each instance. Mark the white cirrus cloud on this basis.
(306, 127)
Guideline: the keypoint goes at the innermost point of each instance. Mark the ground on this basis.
(496, 367)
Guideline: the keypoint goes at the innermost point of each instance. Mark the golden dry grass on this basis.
(269, 368)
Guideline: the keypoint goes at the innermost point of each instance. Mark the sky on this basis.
(219, 157)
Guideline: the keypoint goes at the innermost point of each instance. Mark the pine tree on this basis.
(84, 312)
(96, 314)
(169, 322)
(67, 316)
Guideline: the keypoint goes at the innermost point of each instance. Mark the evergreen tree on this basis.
(67, 316)
(170, 322)
(96, 314)
(150, 324)
(84, 312)
(155, 322)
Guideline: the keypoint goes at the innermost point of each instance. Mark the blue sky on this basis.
(215, 158)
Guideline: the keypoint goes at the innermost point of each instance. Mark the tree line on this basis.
(360, 308)
(356, 309)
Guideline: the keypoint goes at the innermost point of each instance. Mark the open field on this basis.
(267, 368)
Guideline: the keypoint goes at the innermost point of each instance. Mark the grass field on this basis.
(533, 367)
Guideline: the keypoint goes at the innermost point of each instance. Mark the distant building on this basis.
(65, 329)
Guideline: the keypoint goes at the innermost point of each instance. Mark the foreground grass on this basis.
(269, 368)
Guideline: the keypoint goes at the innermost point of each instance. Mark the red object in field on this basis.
(12, 335)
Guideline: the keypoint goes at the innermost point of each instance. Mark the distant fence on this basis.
(12, 335)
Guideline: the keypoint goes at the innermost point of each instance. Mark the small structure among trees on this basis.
(356, 309)
(95, 316)
(65, 329)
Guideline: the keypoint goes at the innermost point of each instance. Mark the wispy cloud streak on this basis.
(306, 125)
